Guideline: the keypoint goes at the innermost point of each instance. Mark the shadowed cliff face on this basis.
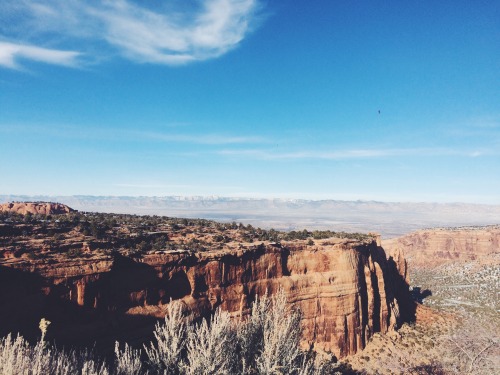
(346, 291)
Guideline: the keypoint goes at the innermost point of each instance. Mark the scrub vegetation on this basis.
(266, 342)
(44, 236)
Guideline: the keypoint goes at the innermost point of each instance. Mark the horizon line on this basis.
(215, 197)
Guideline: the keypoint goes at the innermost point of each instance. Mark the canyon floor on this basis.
(455, 276)
(454, 331)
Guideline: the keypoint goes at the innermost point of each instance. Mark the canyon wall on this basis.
(346, 290)
(437, 246)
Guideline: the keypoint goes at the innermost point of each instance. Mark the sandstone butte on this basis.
(40, 208)
(347, 290)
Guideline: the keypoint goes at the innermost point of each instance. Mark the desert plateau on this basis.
(404, 305)
(249, 187)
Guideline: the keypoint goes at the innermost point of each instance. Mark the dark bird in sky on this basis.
(379, 111)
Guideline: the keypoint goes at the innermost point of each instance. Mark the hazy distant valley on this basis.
(390, 219)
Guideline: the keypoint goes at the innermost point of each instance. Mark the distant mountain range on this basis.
(388, 218)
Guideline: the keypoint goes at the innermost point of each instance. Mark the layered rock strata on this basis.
(442, 245)
(346, 290)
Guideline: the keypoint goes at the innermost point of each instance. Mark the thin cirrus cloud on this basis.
(169, 33)
(10, 53)
(153, 186)
(206, 139)
(353, 154)
(112, 135)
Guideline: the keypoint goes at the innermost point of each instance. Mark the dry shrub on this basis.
(266, 342)
(210, 347)
(18, 357)
(165, 356)
(128, 361)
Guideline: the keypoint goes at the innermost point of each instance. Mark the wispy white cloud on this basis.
(10, 53)
(207, 139)
(484, 127)
(355, 153)
(153, 186)
(162, 33)
(485, 122)
(120, 135)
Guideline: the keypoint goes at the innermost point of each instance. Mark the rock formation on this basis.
(41, 208)
(442, 245)
(347, 290)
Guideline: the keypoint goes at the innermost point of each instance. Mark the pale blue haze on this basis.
(252, 99)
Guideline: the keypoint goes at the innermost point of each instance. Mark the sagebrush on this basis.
(266, 342)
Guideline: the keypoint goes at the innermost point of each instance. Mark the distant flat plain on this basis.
(391, 219)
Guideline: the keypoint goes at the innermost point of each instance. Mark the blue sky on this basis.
(251, 98)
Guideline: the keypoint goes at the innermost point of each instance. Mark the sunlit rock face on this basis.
(346, 291)
(443, 245)
(34, 208)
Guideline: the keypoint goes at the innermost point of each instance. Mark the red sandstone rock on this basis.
(346, 290)
(42, 208)
(432, 247)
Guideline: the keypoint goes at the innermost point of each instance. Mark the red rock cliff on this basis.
(442, 245)
(346, 290)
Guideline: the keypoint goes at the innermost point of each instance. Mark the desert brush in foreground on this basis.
(267, 342)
